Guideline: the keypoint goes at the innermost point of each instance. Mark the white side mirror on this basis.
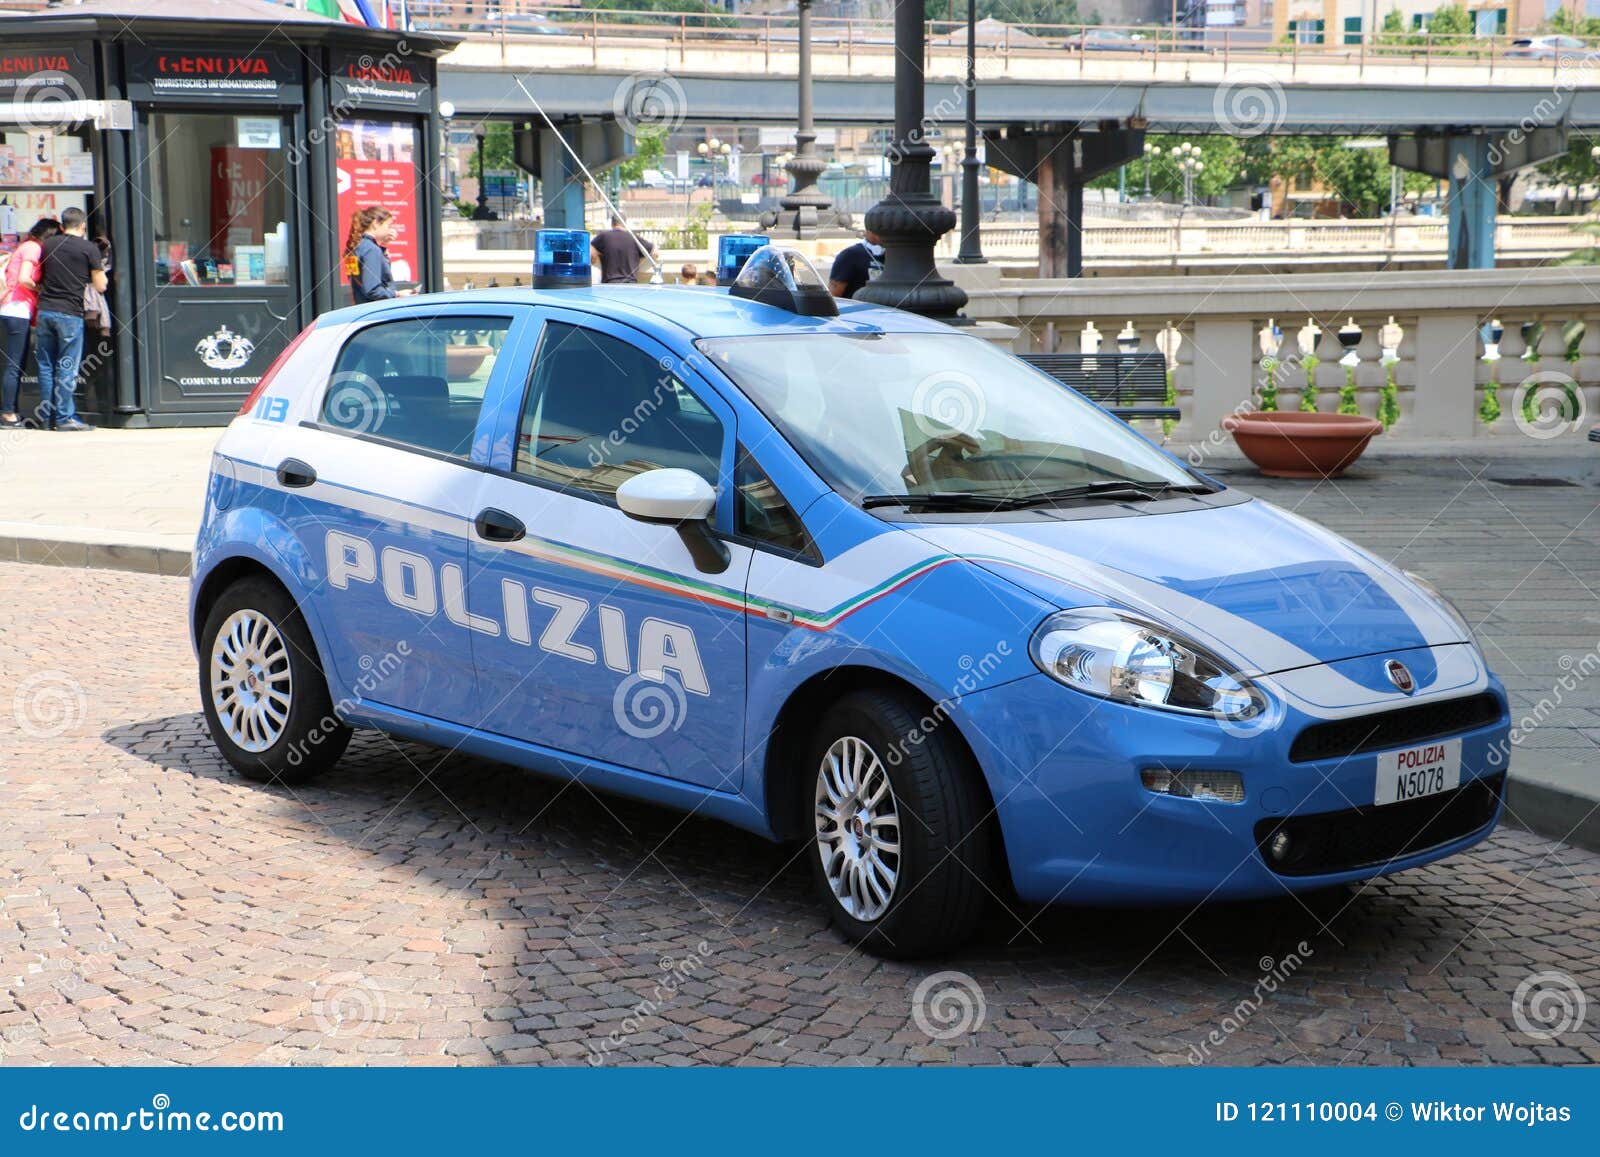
(667, 495)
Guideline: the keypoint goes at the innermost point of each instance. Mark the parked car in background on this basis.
(1112, 40)
(1552, 48)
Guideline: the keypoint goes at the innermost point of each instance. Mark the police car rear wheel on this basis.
(901, 841)
(265, 699)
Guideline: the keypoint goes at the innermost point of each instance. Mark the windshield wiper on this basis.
(1120, 488)
(942, 499)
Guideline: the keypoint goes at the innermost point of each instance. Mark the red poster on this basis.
(238, 180)
(376, 165)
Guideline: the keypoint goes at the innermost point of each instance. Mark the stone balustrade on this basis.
(1436, 382)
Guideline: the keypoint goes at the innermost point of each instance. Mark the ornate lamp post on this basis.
(971, 211)
(910, 219)
(805, 212)
(713, 151)
(1150, 153)
(1191, 166)
(481, 213)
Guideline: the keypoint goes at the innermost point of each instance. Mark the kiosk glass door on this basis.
(223, 199)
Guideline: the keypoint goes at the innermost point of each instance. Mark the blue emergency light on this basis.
(732, 251)
(561, 258)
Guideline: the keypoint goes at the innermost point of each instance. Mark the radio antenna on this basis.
(655, 264)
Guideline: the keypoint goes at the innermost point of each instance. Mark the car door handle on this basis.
(295, 474)
(498, 526)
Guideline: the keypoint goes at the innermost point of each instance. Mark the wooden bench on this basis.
(1129, 385)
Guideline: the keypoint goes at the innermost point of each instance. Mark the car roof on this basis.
(696, 311)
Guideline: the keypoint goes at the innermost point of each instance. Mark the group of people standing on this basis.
(50, 284)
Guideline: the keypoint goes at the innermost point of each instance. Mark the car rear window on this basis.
(417, 380)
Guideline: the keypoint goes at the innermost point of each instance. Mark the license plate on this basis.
(1414, 772)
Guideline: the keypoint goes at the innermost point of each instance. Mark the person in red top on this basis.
(19, 301)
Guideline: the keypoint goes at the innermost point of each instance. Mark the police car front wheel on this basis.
(265, 699)
(901, 841)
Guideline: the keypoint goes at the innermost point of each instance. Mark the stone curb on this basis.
(146, 554)
(1558, 811)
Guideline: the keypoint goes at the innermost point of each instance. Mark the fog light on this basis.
(1222, 786)
(1278, 846)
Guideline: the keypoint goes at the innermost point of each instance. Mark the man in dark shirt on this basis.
(72, 263)
(855, 266)
(618, 254)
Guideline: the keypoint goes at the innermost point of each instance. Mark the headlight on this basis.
(1118, 656)
(1445, 605)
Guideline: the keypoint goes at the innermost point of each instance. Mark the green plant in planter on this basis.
(1171, 399)
(1490, 334)
(1347, 392)
(1308, 397)
(1532, 335)
(1389, 398)
(1308, 338)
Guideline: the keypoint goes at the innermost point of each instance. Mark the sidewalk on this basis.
(115, 499)
(1509, 527)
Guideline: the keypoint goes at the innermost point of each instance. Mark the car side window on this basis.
(417, 380)
(600, 410)
(761, 512)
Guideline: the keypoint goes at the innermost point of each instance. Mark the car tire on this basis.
(265, 698)
(928, 894)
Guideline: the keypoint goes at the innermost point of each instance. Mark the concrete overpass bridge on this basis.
(1054, 109)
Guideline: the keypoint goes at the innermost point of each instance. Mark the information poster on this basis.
(376, 165)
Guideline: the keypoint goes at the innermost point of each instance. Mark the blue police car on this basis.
(835, 574)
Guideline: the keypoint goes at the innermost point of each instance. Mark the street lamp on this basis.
(804, 209)
(1150, 153)
(1191, 166)
(481, 213)
(713, 150)
(971, 244)
(910, 220)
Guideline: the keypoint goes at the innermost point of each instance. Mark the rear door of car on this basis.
(380, 491)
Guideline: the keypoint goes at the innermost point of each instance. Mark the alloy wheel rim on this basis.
(858, 828)
(251, 681)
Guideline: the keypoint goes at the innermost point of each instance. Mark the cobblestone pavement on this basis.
(413, 908)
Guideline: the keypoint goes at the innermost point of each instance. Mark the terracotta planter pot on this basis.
(462, 361)
(1293, 444)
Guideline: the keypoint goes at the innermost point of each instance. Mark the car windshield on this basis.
(890, 415)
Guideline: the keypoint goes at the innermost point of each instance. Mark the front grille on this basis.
(1402, 727)
(1371, 836)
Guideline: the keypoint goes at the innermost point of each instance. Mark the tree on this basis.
(1011, 11)
(649, 147)
(1357, 177)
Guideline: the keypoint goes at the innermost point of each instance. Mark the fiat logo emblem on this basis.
(1400, 676)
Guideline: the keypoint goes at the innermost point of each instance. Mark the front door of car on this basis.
(379, 489)
(600, 635)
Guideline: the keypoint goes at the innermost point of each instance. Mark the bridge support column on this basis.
(1472, 202)
(541, 153)
(1473, 163)
(1060, 161)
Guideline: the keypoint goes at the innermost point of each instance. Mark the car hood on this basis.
(1260, 586)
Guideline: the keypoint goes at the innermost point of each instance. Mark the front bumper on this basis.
(1080, 827)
